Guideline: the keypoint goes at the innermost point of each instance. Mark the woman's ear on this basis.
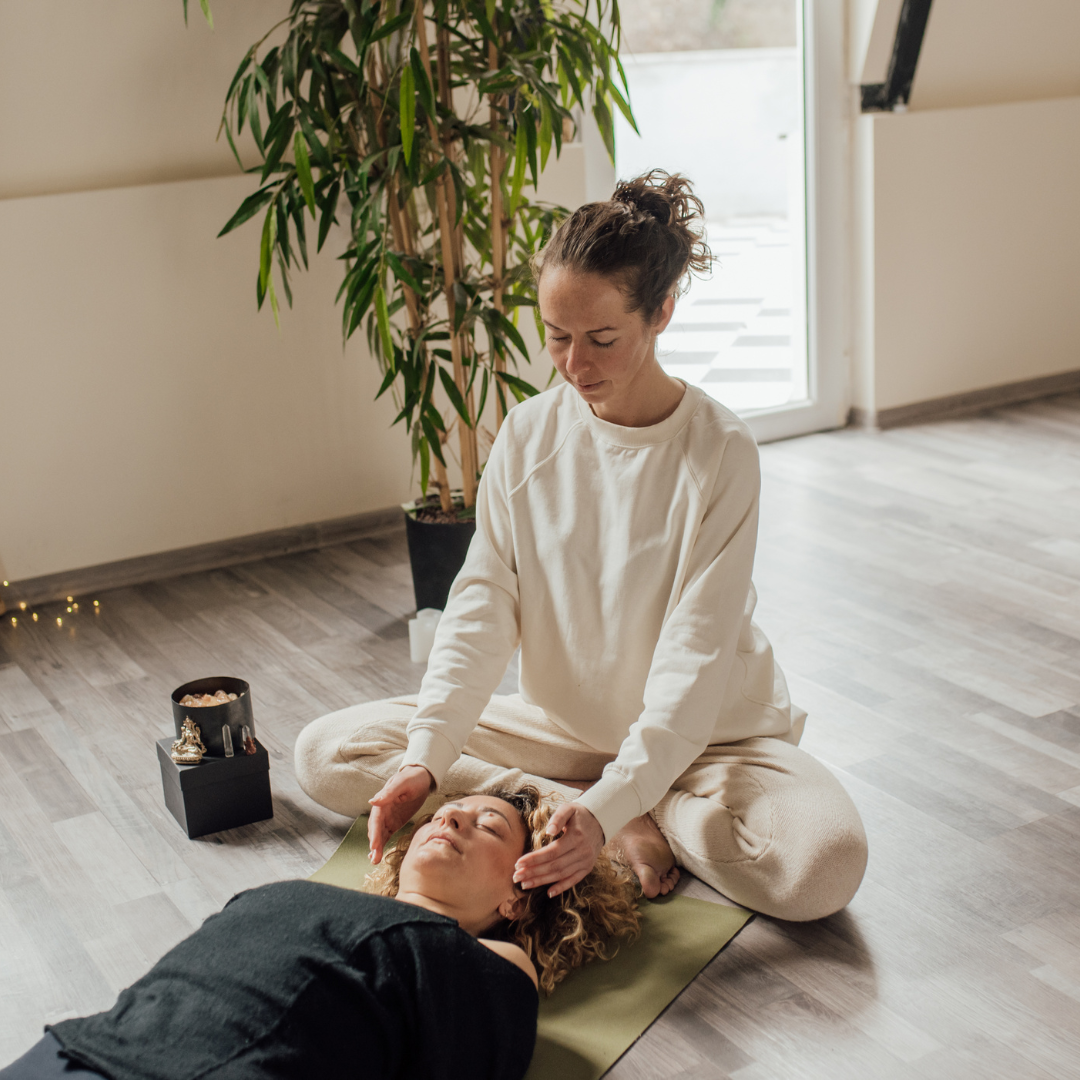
(514, 907)
(663, 316)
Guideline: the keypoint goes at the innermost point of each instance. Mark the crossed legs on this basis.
(760, 820)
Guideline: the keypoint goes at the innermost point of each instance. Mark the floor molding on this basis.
(966, 404)
(189, 560)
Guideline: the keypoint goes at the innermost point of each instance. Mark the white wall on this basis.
(146, 404)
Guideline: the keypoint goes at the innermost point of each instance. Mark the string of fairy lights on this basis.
(25, 611)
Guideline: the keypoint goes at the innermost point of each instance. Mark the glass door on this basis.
(723, 91)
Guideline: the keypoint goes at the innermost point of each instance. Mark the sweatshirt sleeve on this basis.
(477, 633)
(695, 654)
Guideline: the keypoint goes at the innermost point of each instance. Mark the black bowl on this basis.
(210, 719)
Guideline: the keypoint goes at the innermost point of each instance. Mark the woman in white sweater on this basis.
(615, 530)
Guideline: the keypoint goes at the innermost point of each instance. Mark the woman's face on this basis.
(465, 857)
(604, 351)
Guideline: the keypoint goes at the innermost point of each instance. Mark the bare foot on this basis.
(643, 848)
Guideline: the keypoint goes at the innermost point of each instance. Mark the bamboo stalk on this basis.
(441, 479)
(498, 226)
(451, 258)
(404, 240)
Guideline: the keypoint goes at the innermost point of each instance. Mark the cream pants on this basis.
(760, 820)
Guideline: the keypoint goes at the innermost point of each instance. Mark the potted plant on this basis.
(418, 126)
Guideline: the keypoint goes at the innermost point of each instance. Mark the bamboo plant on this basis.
(418, 126)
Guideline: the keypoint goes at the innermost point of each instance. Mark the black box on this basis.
(218, 793)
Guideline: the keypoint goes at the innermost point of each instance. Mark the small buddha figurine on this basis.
(188, 749)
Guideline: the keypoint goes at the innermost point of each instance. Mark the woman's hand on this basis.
(401, 796)
(564, 862)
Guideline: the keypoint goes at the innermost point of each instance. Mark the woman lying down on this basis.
(431, 972)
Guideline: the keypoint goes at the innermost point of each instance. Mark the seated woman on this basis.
(430, 973)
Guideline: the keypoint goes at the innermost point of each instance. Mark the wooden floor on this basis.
(922, 589)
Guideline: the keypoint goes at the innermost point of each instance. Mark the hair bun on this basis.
(644, 197)
(649, 236)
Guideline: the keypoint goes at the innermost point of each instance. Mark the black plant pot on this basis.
(436, 552)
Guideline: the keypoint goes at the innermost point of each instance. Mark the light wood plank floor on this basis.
(922, 589)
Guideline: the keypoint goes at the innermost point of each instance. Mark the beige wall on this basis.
(983, 52)
(976, 248)
(146, 404)
(966, 208)
(117, 93)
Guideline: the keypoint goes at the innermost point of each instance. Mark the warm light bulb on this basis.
(96, 604)
(59, 621)
(69, 609)
(70, 598)
(22, 605)
(5, 584)
(35, 616)
(14, 621)
(75, 606)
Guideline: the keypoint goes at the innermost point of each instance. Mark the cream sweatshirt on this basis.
(620, 559)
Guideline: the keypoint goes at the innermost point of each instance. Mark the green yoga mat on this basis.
(597, 1012)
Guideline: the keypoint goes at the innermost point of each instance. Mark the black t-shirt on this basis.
(302, 980)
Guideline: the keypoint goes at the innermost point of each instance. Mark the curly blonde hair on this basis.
(560, 933)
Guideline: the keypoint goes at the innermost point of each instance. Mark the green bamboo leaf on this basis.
(382, 317)
(423, 85)
(315, 146)
(344, 63)
(624, 106)
(518, 387)
(435, 416)
(425, 466)
(388, 27)
(432, 436)
(285, 278)
(280, 129)
(407, 111)
(545, 133)
(486, 29)
(489, 7)
(511, 331)
(254, 122)
(205, 5)
(329, 207)
(296, 211)
(521, 156)
(244, 65)
(274, 303)
(266, 247)
(283, 233)
(454, 395)
(242, 99)
(232, 145)
(388, 379)
(248, 209)
(303, 171)
(483, 394)
(530, 135)
(403, 275)
(357, 309)
(604, 122)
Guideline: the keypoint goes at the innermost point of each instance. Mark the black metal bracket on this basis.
(895, 91)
